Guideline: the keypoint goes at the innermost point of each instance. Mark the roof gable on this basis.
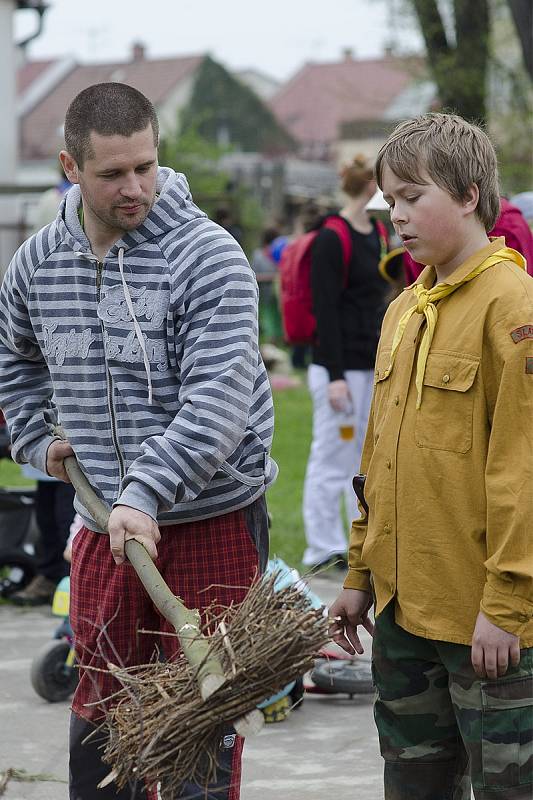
(42, 127)
(29, 72)
(345, 90)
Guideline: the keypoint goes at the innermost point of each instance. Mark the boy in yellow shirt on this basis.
(446, 550)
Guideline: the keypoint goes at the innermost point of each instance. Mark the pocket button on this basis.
(446, 378)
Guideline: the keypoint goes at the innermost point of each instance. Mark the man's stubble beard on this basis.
(118, 222)
(109, 219)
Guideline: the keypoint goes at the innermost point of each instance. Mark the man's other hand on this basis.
(493, 649)
(55, 455)
(129, 523)
(350, 610)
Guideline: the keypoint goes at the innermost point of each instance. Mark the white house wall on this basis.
(169, 112)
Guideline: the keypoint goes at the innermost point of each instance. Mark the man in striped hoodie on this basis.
(132, 321)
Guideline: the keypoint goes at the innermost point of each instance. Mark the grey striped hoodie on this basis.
(149, 360)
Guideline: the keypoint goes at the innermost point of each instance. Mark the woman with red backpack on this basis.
(349, 297)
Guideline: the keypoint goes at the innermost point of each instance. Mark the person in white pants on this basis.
(349, 299)
(334, 459)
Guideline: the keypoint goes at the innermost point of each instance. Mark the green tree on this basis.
(191, 153)
(457, 58)
(511, 96)
(225, 110)
(480, 56)
(522, 13)
(457, 35)
(198, 158)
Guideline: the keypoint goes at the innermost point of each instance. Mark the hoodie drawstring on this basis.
(138, 332)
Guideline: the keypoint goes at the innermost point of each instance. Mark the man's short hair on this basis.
(108, 109)
(454, 153)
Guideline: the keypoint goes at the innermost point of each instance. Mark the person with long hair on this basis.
(348, 303)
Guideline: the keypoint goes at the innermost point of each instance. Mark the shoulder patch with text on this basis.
(529, 365)
(521, 333)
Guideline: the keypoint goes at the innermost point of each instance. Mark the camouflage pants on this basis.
(441, 728)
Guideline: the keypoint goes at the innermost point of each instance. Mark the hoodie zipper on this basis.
(109, 380)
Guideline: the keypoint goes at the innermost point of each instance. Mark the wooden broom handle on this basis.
(185, 621)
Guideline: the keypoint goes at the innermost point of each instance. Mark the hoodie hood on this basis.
(173, 207)
(148, 357)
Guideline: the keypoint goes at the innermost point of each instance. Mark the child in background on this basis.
(348, 303)
(77, 525)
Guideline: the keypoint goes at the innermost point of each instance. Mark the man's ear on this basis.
(471, 199)
(70, 167)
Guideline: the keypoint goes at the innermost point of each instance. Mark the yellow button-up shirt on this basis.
(450, 486)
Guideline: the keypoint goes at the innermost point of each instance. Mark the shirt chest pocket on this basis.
(382, 384)
(445, 418)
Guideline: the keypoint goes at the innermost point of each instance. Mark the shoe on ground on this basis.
(337, 561)
(38, 592)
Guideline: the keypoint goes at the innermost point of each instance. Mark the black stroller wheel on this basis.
(17, 568)
(51, 677)
(343, 676)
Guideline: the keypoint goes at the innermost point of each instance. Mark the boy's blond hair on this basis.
(454, 153)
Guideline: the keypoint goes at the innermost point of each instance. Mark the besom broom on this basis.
(165, 723)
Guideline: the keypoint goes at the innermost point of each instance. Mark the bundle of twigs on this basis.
(160, 728)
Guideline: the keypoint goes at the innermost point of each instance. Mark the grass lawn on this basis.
(10, 474)
(290, 451)
(292, 440)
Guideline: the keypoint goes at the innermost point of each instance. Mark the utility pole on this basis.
(13, 227)
(8, 77)
(8, 128)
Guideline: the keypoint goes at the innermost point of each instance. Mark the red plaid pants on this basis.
(204, 562)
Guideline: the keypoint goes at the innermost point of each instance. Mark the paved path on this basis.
(326, 749)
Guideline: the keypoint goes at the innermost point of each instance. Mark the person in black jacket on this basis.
(348, 303)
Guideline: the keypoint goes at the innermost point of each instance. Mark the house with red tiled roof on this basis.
(322, 97)
(167, 82)
(30, 71)
(170, 83)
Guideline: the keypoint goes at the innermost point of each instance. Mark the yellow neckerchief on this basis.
(426, 300)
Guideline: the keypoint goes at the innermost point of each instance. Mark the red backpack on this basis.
(299, 323)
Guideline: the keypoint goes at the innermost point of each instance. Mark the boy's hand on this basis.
(55, 455)
(493, 649)
(349, 610)
(129, 523)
